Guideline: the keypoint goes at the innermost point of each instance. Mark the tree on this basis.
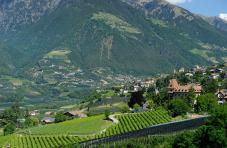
(9, 129)
(163, 82)
(222, 75)
(224, 84)
(107, 114)
(182, 79)
(211, 86)
(60, 117)
(26, 113)
(184, 140)
(178, 107)
(136, 98)
(214, 134)
(16, 108)
(190, 98)
(136, 107)
(206, 103)
(35, 121)
(125, 109)
(150, 103)
(29, 122)
(94, 95)
(151, 91)
(199, 77)
(160, 99)
(209, 136)
(11, 114)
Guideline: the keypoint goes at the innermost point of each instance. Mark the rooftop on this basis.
(175, 87)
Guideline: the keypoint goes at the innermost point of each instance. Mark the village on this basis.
(128, 107)
(177, 85)
(56, 81)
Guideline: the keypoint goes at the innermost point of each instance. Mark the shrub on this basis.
(9, 129)
(125, 109)
(178, 107)
(60, 117)
(136, 107)
(107, 113)
(206, 103)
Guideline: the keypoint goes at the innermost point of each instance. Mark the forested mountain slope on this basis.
(138, 37)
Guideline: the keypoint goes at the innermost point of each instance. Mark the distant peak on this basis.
(223, 16)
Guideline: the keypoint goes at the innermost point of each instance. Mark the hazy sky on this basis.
(204, 7)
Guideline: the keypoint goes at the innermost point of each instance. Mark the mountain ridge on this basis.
(115, 34)
(217, 22)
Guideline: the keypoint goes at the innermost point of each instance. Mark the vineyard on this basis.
(136, 121)
(19, 141)
(127, 123)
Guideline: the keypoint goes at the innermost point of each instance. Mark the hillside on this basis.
(78, 130)
(114, 34)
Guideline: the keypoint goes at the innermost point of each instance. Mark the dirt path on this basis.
(112, 118)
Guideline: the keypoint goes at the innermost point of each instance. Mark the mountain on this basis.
(128, 36)
(181, 19)
(15, 13)
(217, 22)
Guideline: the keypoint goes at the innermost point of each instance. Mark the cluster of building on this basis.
(176, 90)
(68, 75)
(214, 72)
(71, 114)
(137, 85)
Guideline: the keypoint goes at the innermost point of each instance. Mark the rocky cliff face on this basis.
(14, 13)
(217, 22)
(163, 10)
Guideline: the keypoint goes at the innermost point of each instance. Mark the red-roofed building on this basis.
(177, 90)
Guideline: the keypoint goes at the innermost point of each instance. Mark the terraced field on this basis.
(4, 140)
(19, 141)
(136, 121)
(64, 134)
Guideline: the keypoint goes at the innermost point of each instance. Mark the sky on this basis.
(204, 7)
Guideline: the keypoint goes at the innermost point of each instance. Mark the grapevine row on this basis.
(136, 121)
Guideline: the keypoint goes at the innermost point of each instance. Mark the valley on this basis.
(86, 73)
